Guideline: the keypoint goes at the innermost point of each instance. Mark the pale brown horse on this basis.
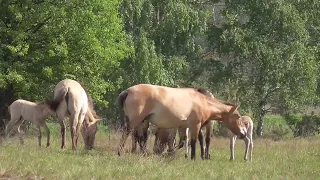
(248, 139)
(168, 107)
(36, 113)
(164, 137)
(71, 100)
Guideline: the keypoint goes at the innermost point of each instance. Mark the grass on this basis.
(289, 159)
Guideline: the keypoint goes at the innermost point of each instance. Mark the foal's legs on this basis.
(19, 123)
(232, 142)
(44, 125)
(39, 134)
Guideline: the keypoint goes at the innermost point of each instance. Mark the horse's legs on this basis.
(171, 142)
(127, 130)
(44, 125)
(194, 129)
(156, 145)
(200, 137)
(134, 141)
(74, 122)
(63, 132)
(79, 125)
(232, 142)
(209, 131)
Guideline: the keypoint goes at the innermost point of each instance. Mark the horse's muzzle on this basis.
(243, 133)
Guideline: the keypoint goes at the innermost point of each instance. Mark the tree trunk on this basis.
(259, 115)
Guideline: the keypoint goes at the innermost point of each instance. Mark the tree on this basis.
(43, 42)
(271, 57)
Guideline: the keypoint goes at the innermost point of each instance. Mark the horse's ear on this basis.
(234, 108)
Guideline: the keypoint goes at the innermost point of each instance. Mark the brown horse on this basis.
(248, 139)
(36, 113)
(164, 137)
(71, 100)
(168, 107)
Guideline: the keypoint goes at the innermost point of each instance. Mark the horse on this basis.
(140, 135)
(36, 113)
(71, 100)
(168, 107)
(164, 137)
(247, 121)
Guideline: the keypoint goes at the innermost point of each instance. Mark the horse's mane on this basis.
(90, 102)
(207, 92)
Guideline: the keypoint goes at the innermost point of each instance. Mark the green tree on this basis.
(43, 42)
(271, 58)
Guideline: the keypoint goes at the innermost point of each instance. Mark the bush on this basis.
(303, 125)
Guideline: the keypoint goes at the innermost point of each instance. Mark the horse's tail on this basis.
(54, 104)
(122, 97)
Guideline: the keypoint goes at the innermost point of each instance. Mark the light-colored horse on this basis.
(71, 100)
(168, 107)
(248, 139)
(36, 113)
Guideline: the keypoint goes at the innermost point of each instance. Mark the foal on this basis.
(21, 110)
(248, 139)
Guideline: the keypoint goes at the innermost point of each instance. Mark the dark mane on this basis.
(206, 92)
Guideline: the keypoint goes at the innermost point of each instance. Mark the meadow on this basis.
(294, 158)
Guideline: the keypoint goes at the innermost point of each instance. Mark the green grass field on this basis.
(290, 159)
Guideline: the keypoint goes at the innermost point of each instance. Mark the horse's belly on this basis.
(167, 120)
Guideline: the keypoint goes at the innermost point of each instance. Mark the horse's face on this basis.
(234, 123)
(89, 134)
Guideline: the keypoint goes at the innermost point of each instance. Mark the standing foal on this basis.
(247, 121)
(37, 114)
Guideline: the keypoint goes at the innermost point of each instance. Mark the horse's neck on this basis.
(217, 110)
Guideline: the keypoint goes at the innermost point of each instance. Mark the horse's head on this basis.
(88, 132)
(234, 123)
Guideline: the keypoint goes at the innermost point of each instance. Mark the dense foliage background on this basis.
(262, 54)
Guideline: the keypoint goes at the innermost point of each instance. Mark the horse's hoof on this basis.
(186, 156)
(231, 159)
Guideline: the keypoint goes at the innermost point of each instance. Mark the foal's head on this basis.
(46, 109)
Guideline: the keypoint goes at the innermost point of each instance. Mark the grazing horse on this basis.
(247, 121)
(35, 113)
(140, 135)
(71, 100)
(164, 137)
(168, 107)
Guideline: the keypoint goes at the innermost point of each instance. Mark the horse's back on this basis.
(169, 106)
(75, 94)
